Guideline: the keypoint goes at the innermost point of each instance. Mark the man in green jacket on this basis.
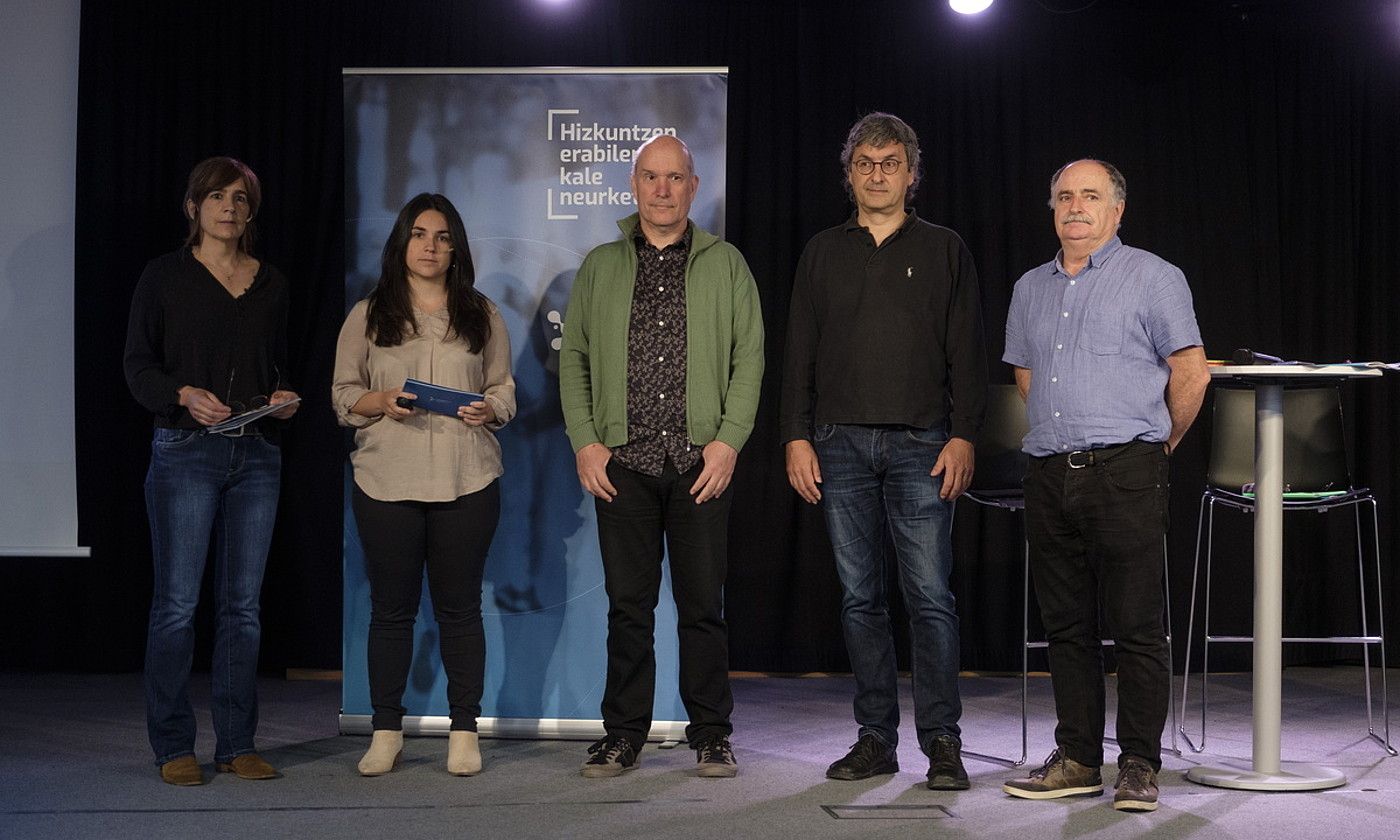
(659, 376)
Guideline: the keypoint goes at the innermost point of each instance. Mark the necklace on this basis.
(224, 275)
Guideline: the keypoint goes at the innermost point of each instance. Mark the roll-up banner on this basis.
(537, 161)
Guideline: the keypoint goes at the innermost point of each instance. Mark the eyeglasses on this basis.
(889, 166)
(237, 407)
(441, 241)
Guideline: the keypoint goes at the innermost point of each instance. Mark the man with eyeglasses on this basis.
(659, 376)
(884, 389)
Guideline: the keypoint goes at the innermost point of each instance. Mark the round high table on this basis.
(1267, 772)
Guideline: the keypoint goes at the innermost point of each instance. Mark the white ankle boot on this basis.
(383, 754)
(463, 753)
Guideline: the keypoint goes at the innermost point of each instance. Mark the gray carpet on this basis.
(74, 764)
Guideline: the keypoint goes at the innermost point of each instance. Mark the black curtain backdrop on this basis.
(1258, 138)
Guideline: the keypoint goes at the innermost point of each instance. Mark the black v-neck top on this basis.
(186, 329)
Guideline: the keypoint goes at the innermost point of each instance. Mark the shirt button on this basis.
(1064, 314)
(1054, 379)
(1072, 282)
(663, 434)
(661, 288)
(661, 323)
(661, 358)
(1059, 347)
(1057, 414)
(663, 396)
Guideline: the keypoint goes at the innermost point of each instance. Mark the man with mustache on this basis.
(1106, 351)
(884, 388)
(659, 375)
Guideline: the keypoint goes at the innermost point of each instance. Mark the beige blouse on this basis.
(426, 457)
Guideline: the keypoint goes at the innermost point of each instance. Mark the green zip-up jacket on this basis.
(724, 343)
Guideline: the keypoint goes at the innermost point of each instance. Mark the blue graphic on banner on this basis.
(538, 165)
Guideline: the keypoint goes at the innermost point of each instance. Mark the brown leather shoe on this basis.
(182, 771)
(249, 766)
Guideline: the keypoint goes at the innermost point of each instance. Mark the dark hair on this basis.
(1115, 178)
(390, 317)
(879, 129)
(213, 174)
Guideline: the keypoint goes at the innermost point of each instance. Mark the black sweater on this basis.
(186, 329)
(885, 336)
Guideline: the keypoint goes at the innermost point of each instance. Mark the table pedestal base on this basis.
(1289, 777)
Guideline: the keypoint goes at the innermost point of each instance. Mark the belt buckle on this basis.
(1088, 460)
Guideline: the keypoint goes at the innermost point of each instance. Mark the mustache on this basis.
(1078, 217)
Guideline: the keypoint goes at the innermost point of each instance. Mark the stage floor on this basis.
(75, 764)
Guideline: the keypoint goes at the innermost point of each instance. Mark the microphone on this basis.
(1253, 357)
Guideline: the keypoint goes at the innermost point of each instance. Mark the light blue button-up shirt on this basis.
(1096, 345)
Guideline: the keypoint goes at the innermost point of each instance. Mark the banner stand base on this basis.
(549, 729)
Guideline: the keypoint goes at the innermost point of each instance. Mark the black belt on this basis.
(1081, 458)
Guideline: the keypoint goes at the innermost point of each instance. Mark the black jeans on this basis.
(1096, 542)
(451, 539)
(630, 532)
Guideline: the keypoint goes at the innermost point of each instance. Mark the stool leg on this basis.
(1205, 646)
(1380, 621)
(1025, 645)
(1191, 625)
(1171, 657)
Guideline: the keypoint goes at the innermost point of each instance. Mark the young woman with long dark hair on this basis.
(426, 493)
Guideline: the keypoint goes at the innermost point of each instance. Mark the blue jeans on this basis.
(202, 488)
(875, 481)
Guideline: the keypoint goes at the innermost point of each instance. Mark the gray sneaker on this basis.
(714, 758)
(1136, 788)
(608, 757)
(1059, 776)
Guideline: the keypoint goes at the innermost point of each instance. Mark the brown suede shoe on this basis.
(1136, 788)
(249, 766)
(182, 771)
(1060, 776)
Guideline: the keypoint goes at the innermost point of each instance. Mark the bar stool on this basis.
(1316, 478)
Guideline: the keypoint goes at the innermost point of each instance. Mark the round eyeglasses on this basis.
(889, 166)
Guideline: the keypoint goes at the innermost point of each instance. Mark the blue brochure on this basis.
(437, 398)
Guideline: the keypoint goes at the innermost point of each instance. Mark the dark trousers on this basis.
(630, 532)
(1096, 543)
(451, 539)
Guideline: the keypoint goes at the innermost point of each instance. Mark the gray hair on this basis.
(879, 129)
(1120, 184)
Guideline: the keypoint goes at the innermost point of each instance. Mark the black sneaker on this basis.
(945, 767)
(868, 757)
(714, 758)
(609, 756)
(1136, 788)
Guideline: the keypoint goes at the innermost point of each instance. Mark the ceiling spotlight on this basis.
(969, 7)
